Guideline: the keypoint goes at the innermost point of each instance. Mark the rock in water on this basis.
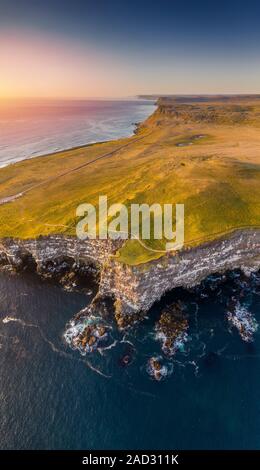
(171, 329)
(87, 335)
(239, 317)
(156, 369)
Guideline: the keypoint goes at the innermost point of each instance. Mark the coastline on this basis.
(135, 282)
(70, 148)
(133, 289)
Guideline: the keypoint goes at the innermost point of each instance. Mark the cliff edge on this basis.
(203, 153)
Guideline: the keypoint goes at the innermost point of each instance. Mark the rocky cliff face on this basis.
(138, 288)
(215, 112)
(67, 260)
(48, 248)
(134, 289)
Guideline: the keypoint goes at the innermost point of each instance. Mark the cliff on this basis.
(134, 289)
(200, 152)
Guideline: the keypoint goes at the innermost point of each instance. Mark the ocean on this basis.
(52, 397)
(32, 128)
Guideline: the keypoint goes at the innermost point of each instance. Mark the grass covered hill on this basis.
(203, 153)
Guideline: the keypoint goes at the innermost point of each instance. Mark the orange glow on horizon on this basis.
(37, 65)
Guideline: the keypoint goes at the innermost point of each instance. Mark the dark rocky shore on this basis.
(131, 289)
(123, 295)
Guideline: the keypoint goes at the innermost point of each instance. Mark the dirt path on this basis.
(12, 198)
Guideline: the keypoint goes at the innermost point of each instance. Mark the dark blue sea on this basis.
(51, 397)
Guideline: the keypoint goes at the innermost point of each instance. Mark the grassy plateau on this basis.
(204, 153)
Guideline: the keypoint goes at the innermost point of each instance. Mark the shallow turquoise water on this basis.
(53, 398)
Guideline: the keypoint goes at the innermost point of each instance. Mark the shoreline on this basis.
(132, 289)
(77, 147)
(132, 132)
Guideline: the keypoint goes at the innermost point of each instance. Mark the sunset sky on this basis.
(60, 48)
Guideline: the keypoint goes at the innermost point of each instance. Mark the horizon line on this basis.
(136, 96)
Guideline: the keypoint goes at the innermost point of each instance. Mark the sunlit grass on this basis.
(216, 177)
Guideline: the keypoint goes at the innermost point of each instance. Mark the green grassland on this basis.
(214, 173)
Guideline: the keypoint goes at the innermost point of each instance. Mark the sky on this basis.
(111, 48)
